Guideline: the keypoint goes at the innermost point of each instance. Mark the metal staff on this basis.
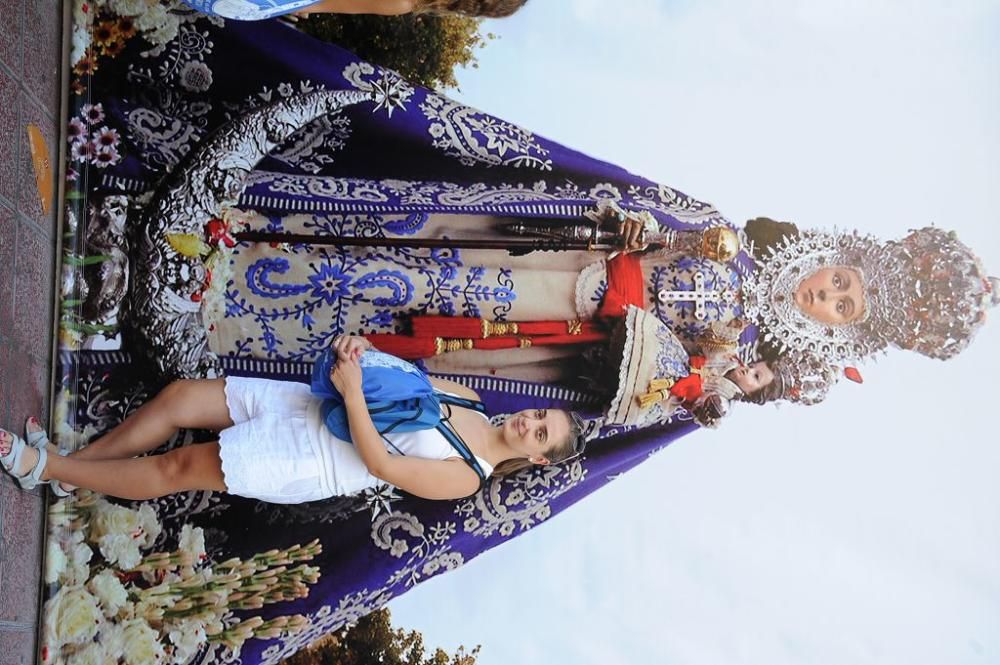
(526, 238)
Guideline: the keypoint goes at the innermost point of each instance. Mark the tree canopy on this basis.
(423, 48)
(373, 641)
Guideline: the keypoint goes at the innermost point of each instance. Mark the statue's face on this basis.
(751, 378)
(833, 296)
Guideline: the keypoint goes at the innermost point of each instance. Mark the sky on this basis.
(862, 530)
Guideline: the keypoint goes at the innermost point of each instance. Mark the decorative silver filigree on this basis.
(165, 326)
(926, 292)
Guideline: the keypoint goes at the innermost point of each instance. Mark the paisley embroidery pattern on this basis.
(474, 138)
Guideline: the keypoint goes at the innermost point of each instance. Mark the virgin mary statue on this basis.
(158, 124)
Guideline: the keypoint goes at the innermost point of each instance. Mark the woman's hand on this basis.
(350, 345)
(346, 376)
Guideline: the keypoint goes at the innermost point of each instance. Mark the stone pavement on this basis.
(30, 60)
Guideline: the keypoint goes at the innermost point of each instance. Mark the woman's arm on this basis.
(444, 385)
(382, 7)
(430, 479)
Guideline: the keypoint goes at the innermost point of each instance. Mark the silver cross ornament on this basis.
(699, 296)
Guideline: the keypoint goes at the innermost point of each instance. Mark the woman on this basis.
(255, 10)
(275, 445)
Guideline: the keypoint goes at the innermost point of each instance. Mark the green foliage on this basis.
(373, 641)
(424, 48)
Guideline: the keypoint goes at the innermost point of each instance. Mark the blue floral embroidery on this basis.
(330, 284)
(357, 289)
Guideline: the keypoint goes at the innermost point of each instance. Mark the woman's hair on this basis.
(484, 8)
(559, 452)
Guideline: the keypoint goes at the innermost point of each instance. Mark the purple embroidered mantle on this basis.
(415, 153)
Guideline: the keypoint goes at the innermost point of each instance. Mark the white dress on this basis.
(279, 449)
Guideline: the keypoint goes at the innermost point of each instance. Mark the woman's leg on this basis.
(194, 467)
(192, 403)
(188, 403)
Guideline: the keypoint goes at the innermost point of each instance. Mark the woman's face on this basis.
(832, 295)
(533, 432)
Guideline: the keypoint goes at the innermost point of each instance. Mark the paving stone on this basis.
(20, 553)
(9, 137)
(8, 242)
(42, 44)
(11, 12)
(32, 327)
(18, 647)
(7, 372)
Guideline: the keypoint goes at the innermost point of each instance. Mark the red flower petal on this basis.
(853, 374)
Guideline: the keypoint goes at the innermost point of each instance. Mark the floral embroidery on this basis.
(474, 138)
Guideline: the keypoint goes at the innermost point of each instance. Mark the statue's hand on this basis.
(632, 234)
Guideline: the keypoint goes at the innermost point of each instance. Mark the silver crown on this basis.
(926, 292)
(805, 378)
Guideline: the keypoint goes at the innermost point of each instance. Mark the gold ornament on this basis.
(720, 243)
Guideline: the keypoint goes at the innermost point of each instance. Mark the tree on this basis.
(373, 641)
(424, 48)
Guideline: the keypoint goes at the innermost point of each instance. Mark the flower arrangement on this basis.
(215, 249)
(90, 142)
(102, 27)
(117, 602)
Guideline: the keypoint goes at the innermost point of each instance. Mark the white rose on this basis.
(109, 592)
(93, 654)
(152, 18)
(72, 616)
(113, 519)
(120, 549)
(140, 643)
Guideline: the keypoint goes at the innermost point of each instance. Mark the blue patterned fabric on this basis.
(399, 399)
(374, 170)
(248, 10)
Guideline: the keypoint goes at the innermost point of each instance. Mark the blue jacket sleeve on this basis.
(321, 384)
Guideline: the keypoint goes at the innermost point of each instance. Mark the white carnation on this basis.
(192, 541)
(149, 524)
(78, 555)
(108, 590)
(120, 549)
(187, 637)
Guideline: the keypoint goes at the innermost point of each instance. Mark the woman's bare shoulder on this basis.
(454, 388)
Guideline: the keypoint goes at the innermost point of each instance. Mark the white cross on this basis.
(699, 296)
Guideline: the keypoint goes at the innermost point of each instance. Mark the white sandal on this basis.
(39, 440)
(12, 460)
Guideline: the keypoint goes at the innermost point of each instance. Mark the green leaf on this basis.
(74, 260)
